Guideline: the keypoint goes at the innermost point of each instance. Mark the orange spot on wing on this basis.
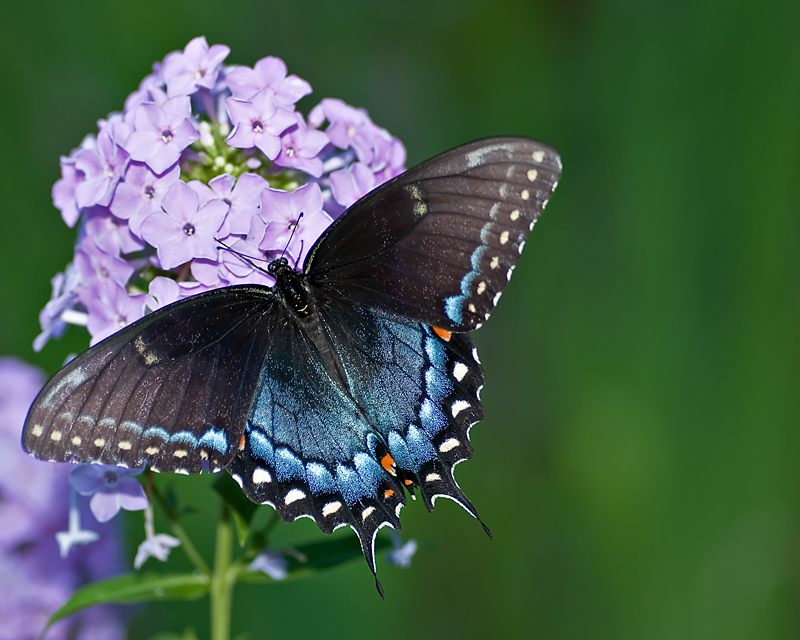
(388, 493)
(387, 462)
(241, 443)
(444, 334)
(408, 483)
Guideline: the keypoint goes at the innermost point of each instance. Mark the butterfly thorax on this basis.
(289, 287)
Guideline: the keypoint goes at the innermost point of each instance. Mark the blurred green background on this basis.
(638, 464)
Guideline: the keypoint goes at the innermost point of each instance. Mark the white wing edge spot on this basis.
(459, 406)
(76, 440)
(525, 194)
(514, 215)
(481, 287)
(496, 298)
(432, 476)
(37, 430)
(293, 496)
(180, 453)
(521, 246)
(125, 445)
(538, 156)
(495, 262)
(367, 512)
(504, 237)
(236, 477)
(471, 308)
(532, 173)
(100, 442)
(448, 445)
(56, 436)
(261, 476)
(460, 370)
(151, 451)
(330, 508)
(475, 355)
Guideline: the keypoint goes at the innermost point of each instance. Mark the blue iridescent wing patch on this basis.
(343, 387)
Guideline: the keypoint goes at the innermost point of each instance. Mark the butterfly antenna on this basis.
(242, 256)
(289, 241)
(299, 255)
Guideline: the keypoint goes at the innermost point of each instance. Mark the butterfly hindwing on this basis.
(340, 443)
(172, 390)
(438, 243)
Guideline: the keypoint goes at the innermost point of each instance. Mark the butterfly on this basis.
(344, 386)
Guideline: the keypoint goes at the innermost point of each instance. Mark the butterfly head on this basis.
(290, 287)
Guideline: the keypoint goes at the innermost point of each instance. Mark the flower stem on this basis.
(223, 579)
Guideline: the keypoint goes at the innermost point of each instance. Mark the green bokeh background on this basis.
(638, 464)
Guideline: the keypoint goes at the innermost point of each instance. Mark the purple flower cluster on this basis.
(204, 153)
(34, 579)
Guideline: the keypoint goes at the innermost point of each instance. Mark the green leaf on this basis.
(317, 556)
(135, 587)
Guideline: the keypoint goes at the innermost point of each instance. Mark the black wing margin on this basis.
(438, 243)
(172, 390)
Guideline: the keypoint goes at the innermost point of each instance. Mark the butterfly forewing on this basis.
(172, 390)
(439, 242)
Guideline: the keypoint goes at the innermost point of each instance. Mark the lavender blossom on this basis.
(258, 123)
(197, 66)
(273, 563)
(112, 488)
(268, 73)
(140, 193)
(102, 167)
(183, 230)
(202, 152)
(161, 133)
(34, 579)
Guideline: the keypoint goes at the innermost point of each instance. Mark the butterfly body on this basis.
(344, 386)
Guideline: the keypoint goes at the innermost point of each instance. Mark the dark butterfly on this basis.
(343, 386)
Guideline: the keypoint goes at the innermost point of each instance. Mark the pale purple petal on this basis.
(159, 547)
(64, 191)
(244, 198)
(272, 563)
(113, 235)
(92, 264)
(141, 192)
(300, 147)
(161, 133)
(258, 123)
(269, 72)
(110, 309)
(181, 232)
(102, 168)
(197, 66)
(348, 185)
(401, 555)
(282, 211)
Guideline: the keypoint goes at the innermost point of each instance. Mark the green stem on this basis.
(223, 579)
(180, 533)
(189, 549)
